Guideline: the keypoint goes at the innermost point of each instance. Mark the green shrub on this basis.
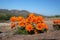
(21, 31)
(56, 27)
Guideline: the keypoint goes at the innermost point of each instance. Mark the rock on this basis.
(1, 32)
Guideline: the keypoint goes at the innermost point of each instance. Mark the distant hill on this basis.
(6, 14)
(14, 12)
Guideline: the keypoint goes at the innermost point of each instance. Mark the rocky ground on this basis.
(43, 36)
(6, 34)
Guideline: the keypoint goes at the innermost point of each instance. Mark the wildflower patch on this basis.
(31, 25)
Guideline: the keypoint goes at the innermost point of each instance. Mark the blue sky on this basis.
(44, 7)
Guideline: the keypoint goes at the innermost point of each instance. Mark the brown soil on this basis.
(8, 35)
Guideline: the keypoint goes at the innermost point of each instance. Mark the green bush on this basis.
(3, 16)
(56, 27)
(6, 16)
(21, 31)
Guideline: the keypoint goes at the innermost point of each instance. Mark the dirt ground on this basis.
(7, 35)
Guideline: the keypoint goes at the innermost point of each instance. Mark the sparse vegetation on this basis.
(56, 24)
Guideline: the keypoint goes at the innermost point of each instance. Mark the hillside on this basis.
(5, 14)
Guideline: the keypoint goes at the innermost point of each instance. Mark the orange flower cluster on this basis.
(32, 22)
(12, 25)
(56, 21)
(29, 27)
(13, 19)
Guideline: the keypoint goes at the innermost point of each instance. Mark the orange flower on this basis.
(31, 15)
(31, 18)
(13, 19)
(29, 27)
(42, 21)
(59, 21)
(26, 23)
(38, 21)
(39, 26)
(21, 23)
(28, 20)
(12, 25)
(39, 18)
(55, 21)
(20, 18)
(44, 26)
(35, 20)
